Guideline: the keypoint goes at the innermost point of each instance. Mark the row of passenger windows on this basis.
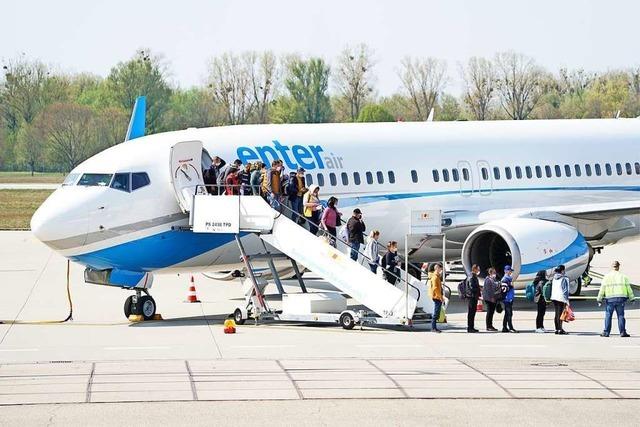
(539, 171)
(344, 178)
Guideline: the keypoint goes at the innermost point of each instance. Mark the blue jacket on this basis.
(511, 291)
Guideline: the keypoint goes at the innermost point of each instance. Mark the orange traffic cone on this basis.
(191, 297)
(479, 307)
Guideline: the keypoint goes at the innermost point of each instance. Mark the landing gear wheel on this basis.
(347, 322)
(128, 307)
(147, 307)
(575, 287)
(237, 317)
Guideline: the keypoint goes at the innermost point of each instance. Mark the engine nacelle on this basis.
(528, 245)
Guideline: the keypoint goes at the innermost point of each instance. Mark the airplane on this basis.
(532, 194)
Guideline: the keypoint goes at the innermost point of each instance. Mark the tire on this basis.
(128, 307)
(147, 307)
(347, 322)
(237, 317)
(578, 288)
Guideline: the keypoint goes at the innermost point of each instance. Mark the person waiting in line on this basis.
(331, 219)
(560, 297)
(256, 175)
(264, 181)
(490, 292)
(509, 292)
(224, 172)
(435, 292)
(474, 294)
(295, 191)
(538, 298)
(372, 251)
(312, 208)
(615, 290)
(356, 229)
(232, 183)
(391, 263)
(244, 176)
(214, 174)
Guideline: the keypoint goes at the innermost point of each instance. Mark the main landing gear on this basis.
(140, 304)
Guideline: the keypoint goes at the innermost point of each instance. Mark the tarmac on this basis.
(186, 360)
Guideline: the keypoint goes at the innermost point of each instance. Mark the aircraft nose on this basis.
(60, 217)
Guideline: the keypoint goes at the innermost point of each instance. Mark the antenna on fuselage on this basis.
(137, 121)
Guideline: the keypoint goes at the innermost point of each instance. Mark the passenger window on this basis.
(607, 167)
(598, 169)
(547, 171)
(369, 178)
(345, 178)
(445, 175)
(121, 182)
(436, 176)
(485, 174)
(465, 174)
(507, 172)
(380, 177)
(332, 179)
(587, 169)
(577, 170)
(637, 168)
(538, 172)
(558, 171)
(356, 178)
(139, 179)
(392, 177)
(308, 179)
(619, 168)
(628, 168)
(567, 170)
(528, 172)
(320, 180)
(518, 172)
(455, 174)
(496, 173)
(414, 176)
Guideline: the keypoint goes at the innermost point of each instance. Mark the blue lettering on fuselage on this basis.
(294, 157)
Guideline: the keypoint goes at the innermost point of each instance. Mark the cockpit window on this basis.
(71, 179)
(139, 179)
(95, 179)
(121, 182)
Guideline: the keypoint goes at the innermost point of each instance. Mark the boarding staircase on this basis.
(254, 215)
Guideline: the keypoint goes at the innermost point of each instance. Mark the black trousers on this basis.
(491, 308)
(471, 313)
(559, 307)
(542, 309)
(507, 321)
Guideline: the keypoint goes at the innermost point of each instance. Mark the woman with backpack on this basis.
(391, 261)
(371, 251)
(539, 282)
(312, 208)
(490, 293)
(331, 219)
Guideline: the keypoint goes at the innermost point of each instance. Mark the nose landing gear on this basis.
(139, 304)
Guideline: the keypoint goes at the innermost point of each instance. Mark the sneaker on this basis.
(513, 331)
(437, 331)
(604, 334)
(563, 332)
(540, 331)
(624, 335)
(472, 331)
(492, 329)
(505, 330)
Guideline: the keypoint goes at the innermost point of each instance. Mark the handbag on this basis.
(567, 314)
(498, 308)
(442, 318)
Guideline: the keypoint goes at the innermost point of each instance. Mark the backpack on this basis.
(530, 292)
(464, 290)
(546, 290)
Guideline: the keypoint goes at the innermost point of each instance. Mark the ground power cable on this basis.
(43, 322)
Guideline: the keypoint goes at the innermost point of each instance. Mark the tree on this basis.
(423, 80)
(354, 77)
(374, 113)
(264, 77)
(307, 83)
(230, 82)
(111, 126)
(30, 147)
(608, 95)
(448, 109)
(480, 83)
(193, 108)
(518, 85)
(144, 74)
(68, 132)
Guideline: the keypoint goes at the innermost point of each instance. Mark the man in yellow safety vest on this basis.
(615, 290)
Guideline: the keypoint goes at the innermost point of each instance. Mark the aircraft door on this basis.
(466, 178)
(186, 172)
(485, 181)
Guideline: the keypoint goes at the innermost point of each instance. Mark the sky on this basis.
(92, 36)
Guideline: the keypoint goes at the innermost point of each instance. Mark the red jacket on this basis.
(232, 182)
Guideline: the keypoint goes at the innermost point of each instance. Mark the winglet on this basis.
(137, 121)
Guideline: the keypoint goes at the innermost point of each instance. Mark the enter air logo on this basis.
(309, 157)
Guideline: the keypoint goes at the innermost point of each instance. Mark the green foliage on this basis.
(448, 109)
(307, 82)
(192, 108)
(374, 113)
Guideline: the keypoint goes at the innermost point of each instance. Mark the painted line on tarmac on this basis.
(159, 347)
(513, 345)
(11, 350)
(391, 345)
(264, 346)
